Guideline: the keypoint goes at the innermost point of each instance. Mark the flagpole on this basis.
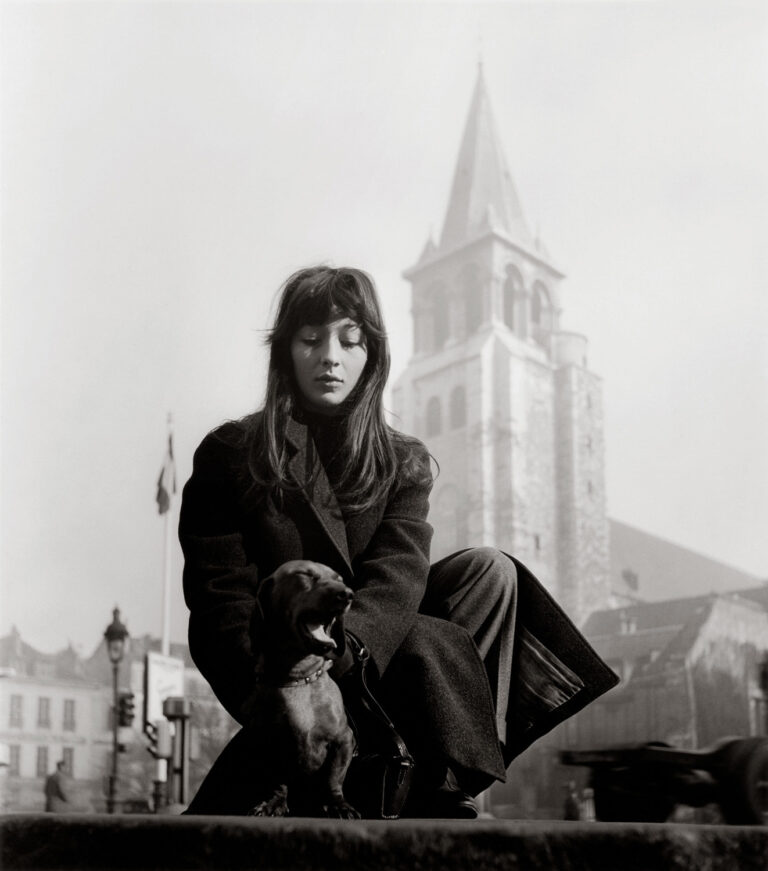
(166, 637)
(166, 642)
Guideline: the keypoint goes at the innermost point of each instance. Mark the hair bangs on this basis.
(318, 295)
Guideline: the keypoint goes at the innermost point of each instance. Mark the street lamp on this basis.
(116, 637)
(763, 680)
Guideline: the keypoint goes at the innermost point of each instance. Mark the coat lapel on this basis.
(316, 488)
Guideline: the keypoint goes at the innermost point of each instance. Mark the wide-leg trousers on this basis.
(475, 589)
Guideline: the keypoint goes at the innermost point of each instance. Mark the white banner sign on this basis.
(163, 677)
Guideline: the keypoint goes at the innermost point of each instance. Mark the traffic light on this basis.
(125, 709)
(160, 741)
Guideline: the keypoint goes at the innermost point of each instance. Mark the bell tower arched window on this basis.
(513, 288)
(541, 307)
(434, 417)
(536, 305)
(440, 319)
(457, 410)
(471, 297)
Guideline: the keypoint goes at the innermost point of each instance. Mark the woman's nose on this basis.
(330, 352)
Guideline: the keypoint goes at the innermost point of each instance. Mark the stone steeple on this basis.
(502, 395)
(483, 195)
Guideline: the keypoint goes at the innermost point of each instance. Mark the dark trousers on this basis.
(477, 589)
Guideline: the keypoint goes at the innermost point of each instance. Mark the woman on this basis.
(470, 657)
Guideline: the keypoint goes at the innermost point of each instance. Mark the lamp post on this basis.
(116, 636)
(763, 681)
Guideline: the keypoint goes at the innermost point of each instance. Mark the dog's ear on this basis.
(263, 610)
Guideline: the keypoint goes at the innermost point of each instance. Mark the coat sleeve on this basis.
(219, 583)
(391, 573)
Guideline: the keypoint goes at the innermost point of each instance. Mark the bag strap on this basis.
(362, 656)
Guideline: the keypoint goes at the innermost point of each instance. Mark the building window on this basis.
(69, 715)
(434, 417)
(68, 758)
(15, 718)
(441, 326)
(458, 407)
(627, 623)
(14, 760)
(42, 761)
(541, 307)
(472, 297)
(513, 288)
(536, 306)
(631, 579)
(44, 713)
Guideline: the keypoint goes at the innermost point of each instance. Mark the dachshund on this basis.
(297, 708)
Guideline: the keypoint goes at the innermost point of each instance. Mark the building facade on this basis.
(501, 395)
(693, 671)
(51, 710)
(59, 707)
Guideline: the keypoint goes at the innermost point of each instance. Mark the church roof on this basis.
(21, 659)
(483, 196)
(661, 569)
(659, 634)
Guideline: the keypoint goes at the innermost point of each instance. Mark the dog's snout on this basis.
(345, 596)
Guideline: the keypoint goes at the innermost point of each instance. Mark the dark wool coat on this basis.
(56, 798)
(231, 541)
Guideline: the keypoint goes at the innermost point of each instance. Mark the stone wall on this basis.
(169, 843)
(583, 553)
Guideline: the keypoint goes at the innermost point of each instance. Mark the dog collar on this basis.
(296, 682)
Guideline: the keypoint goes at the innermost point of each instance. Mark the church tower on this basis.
(499, 393)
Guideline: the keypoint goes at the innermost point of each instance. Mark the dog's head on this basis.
(303, 604)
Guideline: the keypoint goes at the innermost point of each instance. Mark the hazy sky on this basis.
(165, 165)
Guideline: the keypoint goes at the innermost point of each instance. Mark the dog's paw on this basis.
(338, 809)
(275, 807)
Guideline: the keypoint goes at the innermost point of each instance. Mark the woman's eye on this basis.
(349, 344)
(309, 340)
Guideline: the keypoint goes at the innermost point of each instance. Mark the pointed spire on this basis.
(482, 183)
(428, 249)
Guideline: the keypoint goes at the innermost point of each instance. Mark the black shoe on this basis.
(454, 804)
(446, 803)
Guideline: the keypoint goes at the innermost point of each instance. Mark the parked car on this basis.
(645, 782)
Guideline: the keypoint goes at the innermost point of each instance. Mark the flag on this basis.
(166, 483)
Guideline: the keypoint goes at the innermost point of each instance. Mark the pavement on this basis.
(172, 843)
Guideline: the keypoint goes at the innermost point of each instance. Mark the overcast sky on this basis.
(165, 165)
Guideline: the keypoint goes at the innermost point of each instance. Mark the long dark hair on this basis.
(314, 296)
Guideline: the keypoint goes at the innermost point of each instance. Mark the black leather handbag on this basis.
(379, 776)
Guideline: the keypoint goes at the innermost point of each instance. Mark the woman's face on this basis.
(328, 361)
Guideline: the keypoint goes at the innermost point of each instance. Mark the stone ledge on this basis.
(130, 843)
